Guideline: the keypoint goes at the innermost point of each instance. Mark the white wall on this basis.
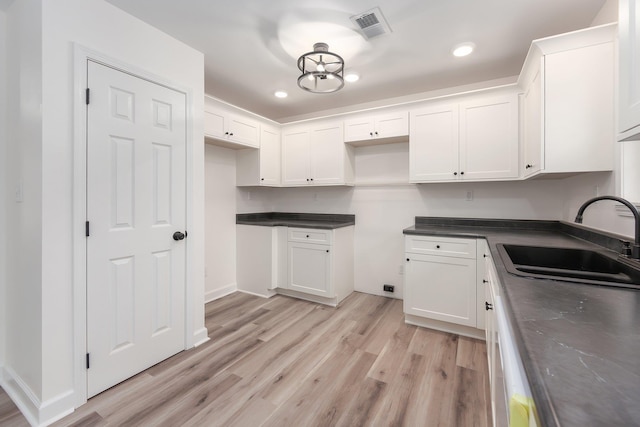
(220, 221)
(23, 316)
(382, 212)
(42, 33)
(3, 176)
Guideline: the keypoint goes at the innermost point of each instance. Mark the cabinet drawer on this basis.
(310, 235)
(443, 246)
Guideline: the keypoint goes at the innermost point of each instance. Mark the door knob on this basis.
(488, 306)
(178, 235)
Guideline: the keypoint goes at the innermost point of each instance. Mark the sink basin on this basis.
(568, 264)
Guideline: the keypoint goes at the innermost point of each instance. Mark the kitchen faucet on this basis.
(635, 253)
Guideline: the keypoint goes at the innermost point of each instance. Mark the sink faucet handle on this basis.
(626, 248)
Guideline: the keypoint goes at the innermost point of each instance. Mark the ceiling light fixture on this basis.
(351, 77)
(463, 49)
(322, 71)
(280, 94)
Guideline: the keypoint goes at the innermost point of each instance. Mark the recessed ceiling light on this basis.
(463, 49)
(281, 94)
(352, 77)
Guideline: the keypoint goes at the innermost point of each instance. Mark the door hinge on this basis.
(87, 96)
(86, 228)
(87, 360)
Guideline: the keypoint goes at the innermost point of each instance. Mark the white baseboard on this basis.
(220, 292)
(36, 412)
(269, 294)
(452, 328)
(200, 337)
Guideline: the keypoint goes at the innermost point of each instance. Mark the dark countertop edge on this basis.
(302, 220)
(487, 229)
(457, 227)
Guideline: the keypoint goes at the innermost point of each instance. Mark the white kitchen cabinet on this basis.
(471, 139)
(629, 69)
(260, 167)
(377, 129)
(230, 128)
(315, 154)
(568, 103)
(440, 279)
(320, 262)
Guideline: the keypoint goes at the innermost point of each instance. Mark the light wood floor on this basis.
(286, 362)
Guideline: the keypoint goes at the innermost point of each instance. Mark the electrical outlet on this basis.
(387, 288)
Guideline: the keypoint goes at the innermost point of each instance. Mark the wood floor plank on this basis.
(388, 362)
(471, 354)
(468, 384)
(283, 361)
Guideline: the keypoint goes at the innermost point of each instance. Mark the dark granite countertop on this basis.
(579, 343)
(300, 220)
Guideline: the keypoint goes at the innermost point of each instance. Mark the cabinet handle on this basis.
(370, 133)
(307, 179)
(311, 179)
(462, 173)
(455, 173)
(261, 179)
(407, 259)
(307, 236)
(226, 133)
(327, 250)
(528, 166)
(376, 133)
(230, 133)
(437, 246)
(488, 306)
(485, 281)
(484, 255)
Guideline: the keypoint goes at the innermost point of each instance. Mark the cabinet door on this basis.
(327, 151)
(243, 131)
(629, 66)
(269, 157)
(441, 288)
(391, 126)
(579, 109)
(433, 144)
(489, 138)
(310, 269)
(358, 129)
(532, 135)
(214, 124)
(295, 158)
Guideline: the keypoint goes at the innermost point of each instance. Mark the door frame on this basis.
(81, 55)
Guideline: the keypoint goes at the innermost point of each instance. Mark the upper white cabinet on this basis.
(474, 138)
(568, 103)
(315, 154)
(629, 69)
(260, 167)
(230, 128)
(377, 129)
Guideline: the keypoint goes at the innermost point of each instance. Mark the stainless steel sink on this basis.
(569, 264)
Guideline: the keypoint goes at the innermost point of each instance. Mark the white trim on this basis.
(439, 325)
(200, 336)
(81, 56)
(622, 210)
(37, 413)
(220, 292)
(269, 294)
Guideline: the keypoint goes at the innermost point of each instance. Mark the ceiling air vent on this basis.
(371, 23)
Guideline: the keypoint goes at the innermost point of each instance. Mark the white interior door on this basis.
(136, 142)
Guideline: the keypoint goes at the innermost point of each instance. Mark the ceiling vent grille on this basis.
(372, 23)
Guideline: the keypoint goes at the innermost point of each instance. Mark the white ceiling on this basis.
(251, 46)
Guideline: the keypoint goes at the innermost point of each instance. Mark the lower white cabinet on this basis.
(309, 263)
(310, 268)
(320, 262)
(440, 279)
